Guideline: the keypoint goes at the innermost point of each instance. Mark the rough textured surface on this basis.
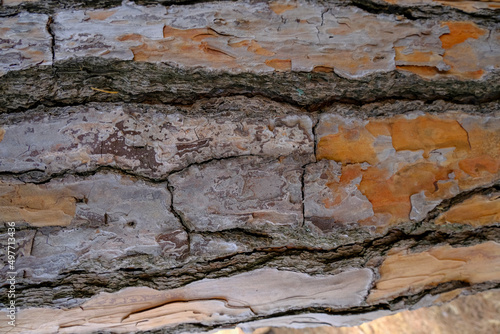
(114, 196)
(150, 144)
(466, 314)
(401, 273)
(242, 193)
(236, 298)
(305, 53)
(478, 210)
(107, 218)
(177, 167)
(311, 38)
(395, 169)
(24, 42)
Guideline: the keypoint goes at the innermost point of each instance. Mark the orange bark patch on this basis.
(424, 71)
(403, 273)
(379, 128)
(280, 64)
(257, 49)
(205, 47)
(415, 56)
(377, 186)
(280, 7)
(348, 146)
(461, 58)
(2, 133)
(482, 163)
(350, 172)
(391, 195)
(463, 62)
(477, 165)
(473, 160)
(150, 50)
(428, 133)
(322, 69)
(459, 33)
(130, 37)
(36, 205)
(348, 63)
(476, 211)
(190, 44)
(192, 34)
(239, 44)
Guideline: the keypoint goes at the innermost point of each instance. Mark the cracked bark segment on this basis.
(402, 273)
(208, 302)
(150, 144)
(462, 40)
(24, 42)
(114, 217)
(249, 193)
(347, 206)
(400, 167)
(241, 37)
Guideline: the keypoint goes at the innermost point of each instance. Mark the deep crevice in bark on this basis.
(71, 86)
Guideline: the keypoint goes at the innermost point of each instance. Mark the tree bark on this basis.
(180, 166)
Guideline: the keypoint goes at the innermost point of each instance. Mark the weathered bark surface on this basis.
(177, 167)
(476, 313)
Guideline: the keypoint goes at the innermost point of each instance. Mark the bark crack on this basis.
(39, 176)
(188, 228)
(320, 90)
(53, 39)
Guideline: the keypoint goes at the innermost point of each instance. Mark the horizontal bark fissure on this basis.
(69, 83)
(439, 289)
(39, 176)
(81, 283)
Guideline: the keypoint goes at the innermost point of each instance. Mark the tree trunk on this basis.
(187, 166)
